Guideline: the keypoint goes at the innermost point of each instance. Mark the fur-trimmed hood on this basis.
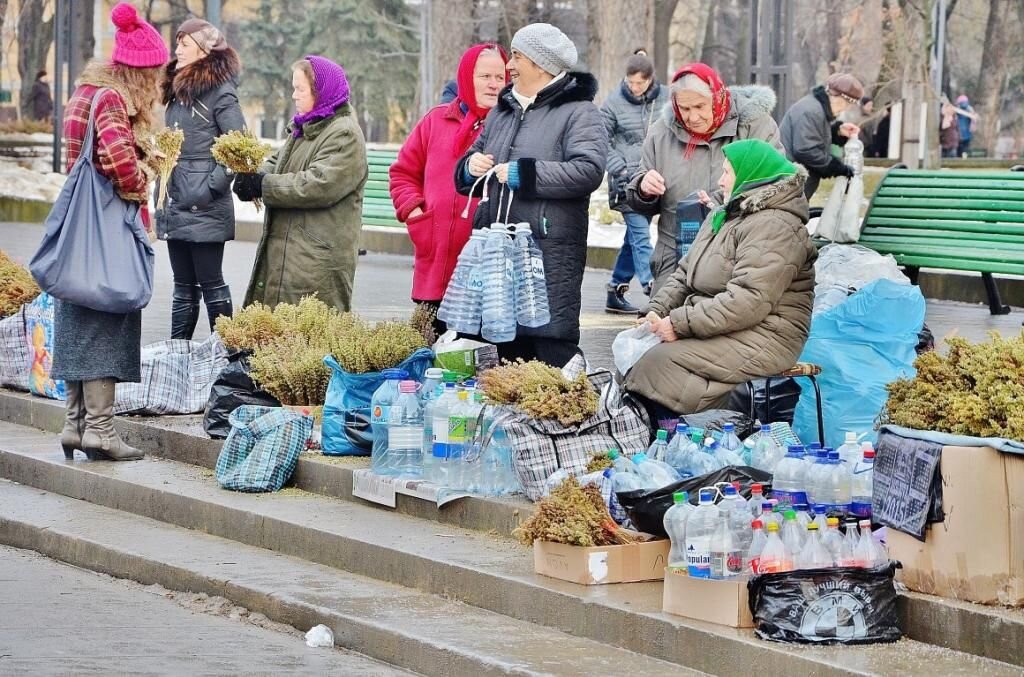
(575, 86)
(779, 194)
(749, 102)
(192, 81)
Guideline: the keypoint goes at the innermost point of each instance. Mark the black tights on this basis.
(197, 268)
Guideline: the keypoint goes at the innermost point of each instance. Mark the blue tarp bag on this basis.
(345, 430)
(95, 252)
(862, 345)
(262, 449)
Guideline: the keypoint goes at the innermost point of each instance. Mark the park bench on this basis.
(950, 220)
(378, 209)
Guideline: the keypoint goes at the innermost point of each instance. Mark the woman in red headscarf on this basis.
(422, 187)
(683, 156)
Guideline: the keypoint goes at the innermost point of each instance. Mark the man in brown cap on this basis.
(810, 127)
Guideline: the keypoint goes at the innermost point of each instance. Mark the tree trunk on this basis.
(35, 37)
(992, 77)
(727, 39)
(664, 10)
(616, 31)
(451, 29)
(82, 38)
(3, 15)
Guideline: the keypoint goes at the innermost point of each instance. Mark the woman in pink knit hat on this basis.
(94, 350)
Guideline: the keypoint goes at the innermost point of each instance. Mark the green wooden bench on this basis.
(950, 220)
(378, 209)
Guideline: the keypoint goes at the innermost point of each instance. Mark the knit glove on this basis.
(248, 187)
(847, 171)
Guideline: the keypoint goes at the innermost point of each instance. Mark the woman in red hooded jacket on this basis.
(422, 188)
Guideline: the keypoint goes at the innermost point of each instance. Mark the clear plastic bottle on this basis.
(792, 532)
(766, 454)
(472, 465)
(655, 474)
(788, 484)
(775, 557)
(849, 451)
(832, 539)
(757, 543)
(756, 501)
(768, 513)
(726, 552)
(437, 470)
(861, 486)
(427, 401)
(675, 526)
(620, 462)
(869, 552)
(700, 528)
(459, 417)
(810, 458)
(380, 408)
(816, 474)
(658, 451)
(848, 553)
(405, 433)
(732, 442)
(712, 450)
(803, 515)
(814, 554)
(498, 307)
(729, 456)
(532, 307)
(678, 448)
(821, 517)
(837, 483)
(735, 508)
(555, 479)
(432, 378)
(460, 307)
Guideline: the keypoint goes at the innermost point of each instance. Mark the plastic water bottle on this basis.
(726, 552)
(821, 517)
(814, 554)
(459, 417)
(738, 516)
(756, 502)
(836, 483)
(816, 475)
(432, 378)
(680, 452)
(766, 454)
(757, 542)
(498, 307)
(437, 471)
(380, 406)
(460, 307)
(803, 515)
(850, 451)
(768, 514)
(658, 451)
(731, 442)
(679, 444)
(774, 556)
(868, 550)
(700, 528)
(405, 433)
(832, 539)
(675, 526)
(621, 463)
(848, 555)
(532, 307)
(555, 479)
(861, 486)
(655, 474)
(810, 457)
(788, 484)
(714, 450)
(792, 533)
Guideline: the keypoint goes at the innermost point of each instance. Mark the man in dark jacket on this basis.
(42, 102)
(810, 127)
(546, 140)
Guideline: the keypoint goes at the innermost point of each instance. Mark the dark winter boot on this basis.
(99, 438)
(218, 302)
(184, 310)
(74, 419)
(617, 302)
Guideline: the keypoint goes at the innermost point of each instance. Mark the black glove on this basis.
(248, 187)
(847, 171)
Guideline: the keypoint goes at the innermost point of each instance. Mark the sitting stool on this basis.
(799, 370)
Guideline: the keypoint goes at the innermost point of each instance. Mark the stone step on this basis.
(473, 567)
(408, 628)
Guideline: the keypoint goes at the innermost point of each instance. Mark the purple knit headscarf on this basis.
(331, 91)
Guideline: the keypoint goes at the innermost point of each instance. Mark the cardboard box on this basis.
(608, 564)
(705, 599)
(977, 554)
(465, 357)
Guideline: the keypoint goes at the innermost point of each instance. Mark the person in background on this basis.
(682, 153)
(421, 183)
(738, 306)
(949, 131)
(628, 113)
(312, 188)
(40, 98)
(968, 125)
(450, 92)
(546, 141)
(811, 126)
(93, 350)
(199, 217)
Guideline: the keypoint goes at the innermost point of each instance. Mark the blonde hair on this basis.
(306, 68)
(691, 83)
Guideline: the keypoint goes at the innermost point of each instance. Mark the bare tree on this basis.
(83, 41)
(34, 39)
(727, 38)
(450, 28)
(614, 37)
(994, 67)
(664, 10)
(3, 15)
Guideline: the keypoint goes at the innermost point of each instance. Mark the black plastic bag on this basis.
(785, 393)
(357, 428)
(715, 419)
(925, 340)
(843, 605)
(646, 509)
(233, 388)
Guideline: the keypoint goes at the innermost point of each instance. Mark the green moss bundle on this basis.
(241, 152)
(975, 389)
(168, 142)
(574, 515)
(292, 369)
(541, 391)
(363, 349)
(17, 287)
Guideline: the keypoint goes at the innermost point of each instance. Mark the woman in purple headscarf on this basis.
(313, 192)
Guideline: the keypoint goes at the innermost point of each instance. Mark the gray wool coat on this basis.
(561, 146)
(201, 101)
(808, 131)
(627, 119)
(749, 118)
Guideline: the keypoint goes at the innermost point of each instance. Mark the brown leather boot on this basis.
(99, 437)
(74, 419)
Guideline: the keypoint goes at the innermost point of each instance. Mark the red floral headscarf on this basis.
(720, 102)
(473, 122)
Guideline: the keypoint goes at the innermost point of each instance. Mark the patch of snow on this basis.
(26, 184)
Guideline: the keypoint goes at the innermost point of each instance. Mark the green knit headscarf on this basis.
(756, 164)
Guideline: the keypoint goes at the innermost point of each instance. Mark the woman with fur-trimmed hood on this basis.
(738, 305)
(683, 150)
(199, 217)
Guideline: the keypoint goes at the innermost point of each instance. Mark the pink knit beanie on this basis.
(136, 43)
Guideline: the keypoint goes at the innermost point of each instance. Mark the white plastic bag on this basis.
(319, 636)
(842, 269)
(630, 345)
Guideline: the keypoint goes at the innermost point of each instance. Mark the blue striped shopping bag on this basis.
(262, 448)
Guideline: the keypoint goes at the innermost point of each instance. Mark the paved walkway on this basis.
(383, 284)
(57, 619)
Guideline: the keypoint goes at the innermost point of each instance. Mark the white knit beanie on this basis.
(546, 46)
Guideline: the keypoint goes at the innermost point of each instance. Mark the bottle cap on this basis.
(408, 386)
(795, 449)
(680, 497)
(869, 453)
(736, 485)
(707, 496)
(851, 438)
(613, 454)
(766, 427)
(463, 395)
(395, 374)
(450, 376)
(729, 427)
(766, 506)
(639, 457)
(821, 453)
(756, 488)
(832, 521)
(607, 472)
(478, 397)
(697, 436)
(789, 515)
(682, 428)
(815, 446)
(801, 507)
(820, 509)
(813, 526)
(729, 490)
(865, 523)
(772, 526)
(757, 524)
(662, 435)
(449, 385)
(833, 455)
(436, 373)
(866, 445)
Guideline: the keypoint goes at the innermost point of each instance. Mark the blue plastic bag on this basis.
(862, 345)
(345, 430)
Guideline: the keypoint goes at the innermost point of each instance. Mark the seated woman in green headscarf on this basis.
(738, 306)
